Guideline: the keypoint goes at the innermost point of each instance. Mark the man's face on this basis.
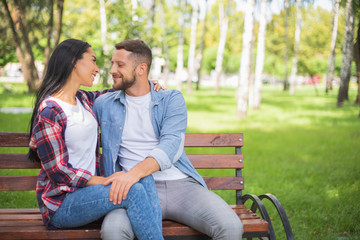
(122, 70)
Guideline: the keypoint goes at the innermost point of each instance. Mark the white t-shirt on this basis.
(139, 138)
(80, 135)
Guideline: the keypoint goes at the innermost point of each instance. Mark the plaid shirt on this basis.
(57, 176)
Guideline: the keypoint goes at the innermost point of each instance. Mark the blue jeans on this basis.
(91, 203)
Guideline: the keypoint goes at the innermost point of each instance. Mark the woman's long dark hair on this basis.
(60, 66)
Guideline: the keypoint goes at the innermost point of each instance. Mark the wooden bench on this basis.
(27, 224)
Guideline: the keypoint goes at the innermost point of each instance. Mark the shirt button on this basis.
(120, 128)
(104, 123)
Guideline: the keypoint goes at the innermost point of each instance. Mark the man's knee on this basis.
(116, 225)
(231, 228)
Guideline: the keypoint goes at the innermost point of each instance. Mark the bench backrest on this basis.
(11, 160)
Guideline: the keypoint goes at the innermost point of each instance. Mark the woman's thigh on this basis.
(83, 206)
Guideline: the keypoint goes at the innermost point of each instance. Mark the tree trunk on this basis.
(251, 67)
(151, 20)
(357, 61)
(180, 53)
(202, 46)
(260, 56)
(49, 34)
(104, 43)
(286, 56)
(58, 23)
(165, 47)
(192, 47)
(244, 73)
(296, 48)
(224, 24)
(331, 60)
(29, 69)
(347, 55)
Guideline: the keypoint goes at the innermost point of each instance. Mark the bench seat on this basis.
(26, 223)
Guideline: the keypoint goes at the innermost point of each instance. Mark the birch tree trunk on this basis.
(347, 55)
(224, 24)
(357, 61)
(296, 48)
(103, 24)
(180, 53)
(331, 59)
(260, 56)
(244, 73)
(192, 47)
(202, 46)
(165, 47)
(151, 20)
(286, 56)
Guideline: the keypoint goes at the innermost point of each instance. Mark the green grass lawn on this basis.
(301, 148)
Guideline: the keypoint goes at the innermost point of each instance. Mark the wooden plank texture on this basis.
(213, 139)
(14, 139)
(17, 183)
(11, 228)
(200, 161)
(17, 161)
(27, 183)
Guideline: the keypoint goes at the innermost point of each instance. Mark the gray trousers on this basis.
(184, 201)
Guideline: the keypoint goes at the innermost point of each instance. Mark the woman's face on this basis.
(86, 69)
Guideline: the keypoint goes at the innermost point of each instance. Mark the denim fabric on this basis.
(169, 119)
(91, 203)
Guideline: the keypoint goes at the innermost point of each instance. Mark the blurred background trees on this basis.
(196, 41)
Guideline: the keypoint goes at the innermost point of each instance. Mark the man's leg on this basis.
(116, 224)
(189, 203)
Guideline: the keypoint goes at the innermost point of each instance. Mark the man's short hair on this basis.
(140, 51)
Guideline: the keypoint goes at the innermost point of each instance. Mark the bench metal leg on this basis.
(281, 211)
(258, 204)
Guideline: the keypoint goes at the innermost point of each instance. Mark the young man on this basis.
(143, 133)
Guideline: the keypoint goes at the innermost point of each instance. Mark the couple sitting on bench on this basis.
(144, 175)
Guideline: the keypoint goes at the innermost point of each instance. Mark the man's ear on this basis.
(142, 69)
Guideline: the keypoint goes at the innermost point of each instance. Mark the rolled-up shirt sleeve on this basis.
(172, 132)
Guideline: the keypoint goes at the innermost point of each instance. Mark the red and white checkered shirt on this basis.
(57, 176)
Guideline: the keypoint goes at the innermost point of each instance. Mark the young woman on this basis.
(64, 138)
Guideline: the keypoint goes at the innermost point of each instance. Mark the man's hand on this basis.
(121, 183)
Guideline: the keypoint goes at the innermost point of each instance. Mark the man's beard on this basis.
(125, 83)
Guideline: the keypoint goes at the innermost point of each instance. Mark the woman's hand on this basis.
(157, 86)
(121, 183)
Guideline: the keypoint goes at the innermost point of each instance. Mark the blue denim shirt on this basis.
(169, 119)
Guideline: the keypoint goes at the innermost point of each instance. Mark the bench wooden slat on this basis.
(28, 183)
(191, 139)
(200, 161)
(14, 139)
(36, 230)
(214, 139)
(17, 183)
(17, 161)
